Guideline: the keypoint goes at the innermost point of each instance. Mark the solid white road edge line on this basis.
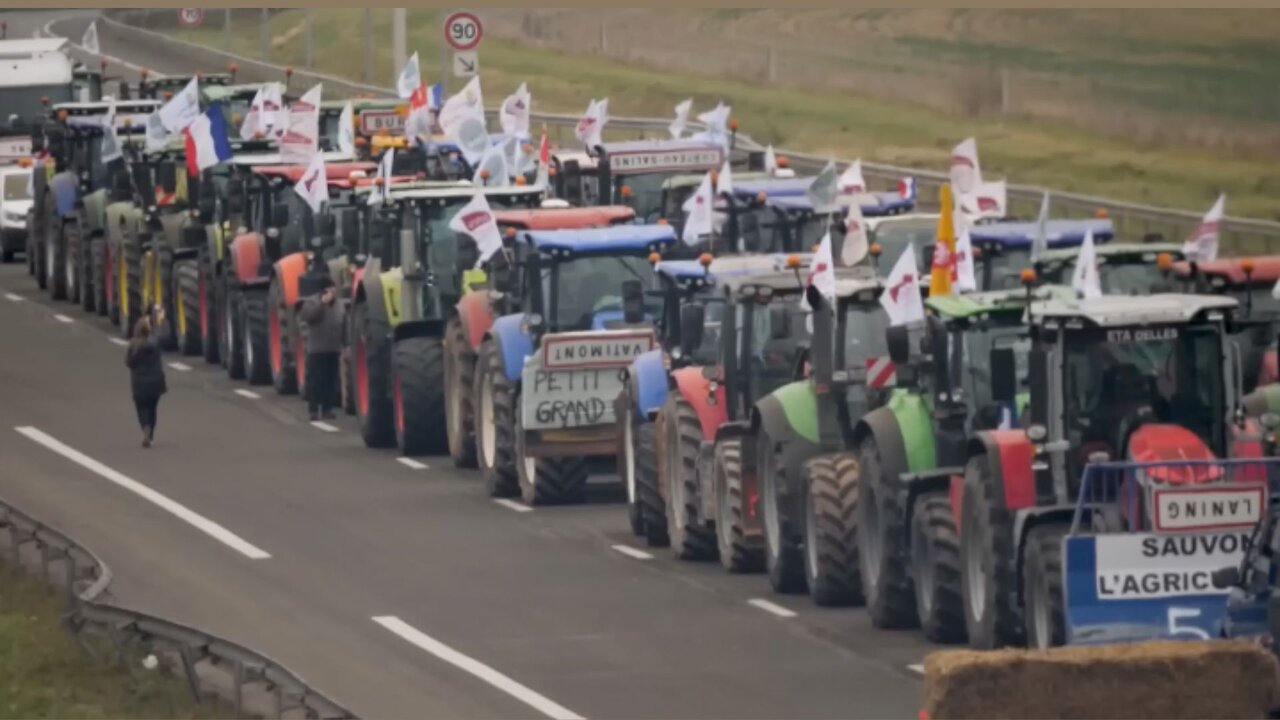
(14, 297)
(205, 525)
(63, 318)
(119, 341)
(323, 426)
(771, 608)
(917, 668)
(513, 505)
(632, 552)
(247, 393)
(410, 462)
(416, 637)
(181, 367)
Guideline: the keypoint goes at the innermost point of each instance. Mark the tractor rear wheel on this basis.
(626, 414)
(111, 274)
(691, 536)
(935, 568)
(495, 403)
(1042, 586)
(739, 551)
(548, 480)
(284, 378)
(100, 270)
(85, 276)
(187, 298)
(460, 377)
(371, 350)
(783, 559)
(882, 543)
(345, 370)
(988, 567)
(131, 308)
(168, 287)
(254, 325)
(232, 342)
(831, 530)
(652, 505)
(74, 261)
(417, 392)
(55, 260)
(207, 313)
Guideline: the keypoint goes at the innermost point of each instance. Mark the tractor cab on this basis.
(1250, 280)
(38, 71)
(677, 189)
(896, 234)
(632, 172)
(1002, 249)
(288, 223)
(163, 88)
(1123, 268)
(236, 100)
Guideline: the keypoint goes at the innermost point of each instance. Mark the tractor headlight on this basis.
(1037, 433)
(676, 353)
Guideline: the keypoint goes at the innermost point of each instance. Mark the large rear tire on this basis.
(626, 414)
(647, 493)
(1042, 586)
(74, 267)
(101, 272)
(207, 302)
(187, 312)
(882, 543)
(85, 275)
(783, 559)
(284, 377)
(739, 551)
(167, 289)
(831, 530)
(935, 569)
(371, 358)
(257, 367)
(56, 260)
(232, 342)
(692, 537)
(131, 303)
(551, 480)
(417, 392)
(993, 617)
(495, 403)
(460, 378)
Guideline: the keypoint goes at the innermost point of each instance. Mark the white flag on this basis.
(901, 296)
(717, 122)
(1202, 246)
(252, 124)
(410, 78)
(313, 186)
(111, 147)
(275, 116)
(466, 104)
(824, 190)
(514, 114)
(347, 131)
(851, 180)
(1040, 240)
(492, 170)
(90, 40)
(966, 174)
(822, 271)
(855, 246)
(157, 139)
(770, 161)
(382, 179)
(591, 126)
(966, 277)
(301, 139)
(677, 126)
(988, 200)
(182, 108)
(698, 213)
(476, 220)
(1085, 278)
(724, 184)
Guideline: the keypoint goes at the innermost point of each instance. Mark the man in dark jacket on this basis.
(323, 315)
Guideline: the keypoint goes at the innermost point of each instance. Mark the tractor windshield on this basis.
(779, 332)
(1129, 278)
(896, 236)
(26, 102)
(645, 194)
(712, 317)
(586, 292)
(1001, 270)
(1118, 377)
(862, 328)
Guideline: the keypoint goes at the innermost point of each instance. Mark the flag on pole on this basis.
(410, 78)
(313, 186)
(301, 138)
(252, 123)
(544, 163)
(901, 296)
(966, 173)
(770, 161)
(492, 170)
(591, 125)
(1040, 240)
(466, 104)
(382, 178)
(417, 124)
(944, 246)
(681, 121)
(822, 272)
(855, 246)
(157, 138)
(851, 180)
(698, 213)
(111, 147)
(724, 182)
(717, 122)
(347, 131)
(988, 200)
(476, 220)
(514, 114)
(206, 140)
(275, 116)
(1085, 277)
(1202, 246)
(966, 277)
(90, 40)
(824, 190)
(182, 108)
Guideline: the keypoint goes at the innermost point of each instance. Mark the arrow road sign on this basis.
(466, 64)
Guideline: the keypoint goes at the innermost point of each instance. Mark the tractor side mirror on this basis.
(632, 302)
(168, 173)
(779, 323)
(1227, 577)
(899, 342)
(692, 322)
(1004, 375)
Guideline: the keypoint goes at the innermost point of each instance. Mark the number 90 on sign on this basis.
(463, 31)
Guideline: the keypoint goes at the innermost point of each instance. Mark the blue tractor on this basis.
(547, 376)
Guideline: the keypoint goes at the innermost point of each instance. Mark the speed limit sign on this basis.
(463, 31)
(191, 17)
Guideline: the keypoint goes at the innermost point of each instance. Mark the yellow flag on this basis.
(944, 249)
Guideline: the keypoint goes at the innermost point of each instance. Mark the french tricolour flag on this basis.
(435, 97)
(207, 143)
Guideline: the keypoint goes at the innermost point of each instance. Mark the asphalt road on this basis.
(400, 591)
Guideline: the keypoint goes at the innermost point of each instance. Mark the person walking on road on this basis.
(323, 315)
(146, 373)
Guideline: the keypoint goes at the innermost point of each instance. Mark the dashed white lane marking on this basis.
(248, 393)
(513, 505)
(119, 341)
(410, 462)
(200, 522)
(14, 297)
(416, 637)
(63, 318)
(771, 608)
(917, 668)
(181, 367)
(632, 552)
(323, 426)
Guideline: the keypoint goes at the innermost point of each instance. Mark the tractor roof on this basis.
(957, 307)
(725, 267)
(1117, 310)
(564, 218)
(358, 104)
(221, 92)
(1146, 251)
(913, 219)
(1060, 232)
(332, 171)
(693, 180)
(773, 187)
(256, 159)
(618, 238)
(1266, 269)
(31, 46)
(849, 281)
(872, 204)
(177, 81)
(634, 157)
(451, 190)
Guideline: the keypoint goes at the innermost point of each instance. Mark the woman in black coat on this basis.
(146, 375)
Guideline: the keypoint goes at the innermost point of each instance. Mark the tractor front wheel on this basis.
(187, 299)
(101, 271)
(1042, 586)
(740, 551)
(692, 537)
(370, 351)
(460, 377)
(417, 392)
(988, 566)
(882, 543)
(548, 480)
(783, 560)
(935, 569)
(254, 325)
(831, 530)
(284, 378)
(495, 404)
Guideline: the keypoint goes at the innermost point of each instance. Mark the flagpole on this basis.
(444, 60)
(397, 41)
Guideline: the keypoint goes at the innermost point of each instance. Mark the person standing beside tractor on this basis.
(323, 315)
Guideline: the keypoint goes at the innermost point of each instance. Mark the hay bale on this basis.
(1159, 679)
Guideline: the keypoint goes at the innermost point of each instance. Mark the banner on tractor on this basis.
(644, 161)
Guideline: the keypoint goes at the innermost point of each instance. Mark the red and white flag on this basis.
(1202, 246)
(851, 180)
(313, 186)
(855, 246)
(901, 296)
(301, 139)
(698, 213)
(514, 114)
(966, 173)
(476, 220)
(417, 124)
(591, 125)
(822, 272)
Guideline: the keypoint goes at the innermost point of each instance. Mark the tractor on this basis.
(547, 377)
(417, 271)
(476, 310)
(1002, 249)
(1123, 268)
(1250, 281)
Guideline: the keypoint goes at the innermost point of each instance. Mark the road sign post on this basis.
(466, 63)
(463, 32)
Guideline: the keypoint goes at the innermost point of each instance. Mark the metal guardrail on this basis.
(1132, 220)
(255, 683)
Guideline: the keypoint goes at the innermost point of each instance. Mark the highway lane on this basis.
(541, 596)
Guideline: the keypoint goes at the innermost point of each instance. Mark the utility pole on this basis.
(226, 30)
(398, 53)
(307, 31)
(264, 35)
(444, 58)
(365, 75)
